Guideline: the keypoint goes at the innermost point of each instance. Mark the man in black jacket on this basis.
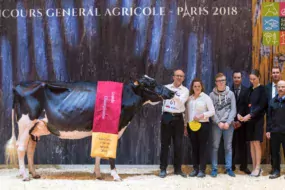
(275, 129)
(239, 139)
(271, 92)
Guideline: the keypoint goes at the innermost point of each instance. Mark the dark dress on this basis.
(257, 105)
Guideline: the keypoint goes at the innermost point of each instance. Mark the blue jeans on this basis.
(228, 137)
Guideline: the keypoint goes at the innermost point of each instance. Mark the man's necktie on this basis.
(236, 93)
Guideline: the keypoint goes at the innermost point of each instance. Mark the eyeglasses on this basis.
(223, 80)
(181, 76)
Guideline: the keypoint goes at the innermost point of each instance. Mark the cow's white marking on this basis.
(82, 134)
(74, 134)
(25, 124)
(148, 77)
(150, 102)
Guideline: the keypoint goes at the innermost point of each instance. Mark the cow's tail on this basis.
(11, 155)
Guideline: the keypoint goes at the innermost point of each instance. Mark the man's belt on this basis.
(173, 114)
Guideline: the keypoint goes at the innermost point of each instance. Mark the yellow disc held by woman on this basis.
(194, 125)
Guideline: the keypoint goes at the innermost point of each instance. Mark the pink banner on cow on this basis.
(106, 119)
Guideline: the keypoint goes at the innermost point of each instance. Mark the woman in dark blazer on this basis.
(257, 105)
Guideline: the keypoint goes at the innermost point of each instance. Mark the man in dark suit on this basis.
(239, 139)
(275, 130)
(271, 92)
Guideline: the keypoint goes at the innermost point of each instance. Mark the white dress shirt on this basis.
(203, 104)
(177, 103)
(274, 86)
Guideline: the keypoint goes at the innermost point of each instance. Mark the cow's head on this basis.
(151, 91)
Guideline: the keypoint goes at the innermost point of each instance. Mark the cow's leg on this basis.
(22, 147)
(114, 172)
(97, 168)
(39, 129)
(25, 124)
(31, 151)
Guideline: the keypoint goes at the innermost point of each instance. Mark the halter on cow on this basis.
(66, 110)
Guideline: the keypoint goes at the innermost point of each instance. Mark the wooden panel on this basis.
(263, 58)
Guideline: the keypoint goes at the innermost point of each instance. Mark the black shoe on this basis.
(271, 171)
(245, 170)
(180, 173)
(201, 174)
(193, 173)
(162, 173)
(275, 174)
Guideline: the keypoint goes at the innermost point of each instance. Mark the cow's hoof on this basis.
(20, 176)
(37, 176)
(118, 179)
(115, 175)
(26, 179)
(100, 178)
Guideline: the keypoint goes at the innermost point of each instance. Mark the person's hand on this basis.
(221, 125)
(238, 125)
(198, 117)
(240, 118)
(246, 118)
(185, 131)
(268, 135)
(235, 124)
(226, 126)
(201, 116)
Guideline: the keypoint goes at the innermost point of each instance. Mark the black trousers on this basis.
(276, 140)
(172, 127)
(239, 140)
(271, 157)
(199, 141)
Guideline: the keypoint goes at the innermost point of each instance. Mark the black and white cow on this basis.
(66, 110)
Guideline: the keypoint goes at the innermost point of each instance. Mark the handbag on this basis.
(194, 125)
